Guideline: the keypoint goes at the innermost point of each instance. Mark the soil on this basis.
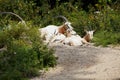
(84, 63)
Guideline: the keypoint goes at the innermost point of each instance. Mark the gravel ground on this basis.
(84, 63)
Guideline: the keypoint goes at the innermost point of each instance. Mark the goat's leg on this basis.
(85, 42)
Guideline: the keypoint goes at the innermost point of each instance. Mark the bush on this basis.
(25, 53)
(105, 38)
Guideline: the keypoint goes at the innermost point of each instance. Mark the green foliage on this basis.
(25, 53)
(26, 9)
(105, 38)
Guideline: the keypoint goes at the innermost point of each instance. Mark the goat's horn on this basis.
(62, 18)
(12, 14)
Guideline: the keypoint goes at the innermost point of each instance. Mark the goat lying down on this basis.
(73, 40)
(76, 40)
(50, 31)
(58, 38)
(68, 39)
(88, 37)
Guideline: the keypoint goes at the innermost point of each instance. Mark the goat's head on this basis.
(67, 24)
(89, 34)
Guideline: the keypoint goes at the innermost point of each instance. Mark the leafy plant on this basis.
(106, 38)
(25, 53)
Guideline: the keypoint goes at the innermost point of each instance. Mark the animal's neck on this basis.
(87, 37)
(62, 29)
(68, 34)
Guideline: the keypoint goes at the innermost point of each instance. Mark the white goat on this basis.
(88, 37)
(50, 31)
(58, 38)
(73, 40)
(76, 40)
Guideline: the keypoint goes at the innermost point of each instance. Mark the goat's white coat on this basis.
(48, 32)
(76, 40)
(73, 40)
(58, 38)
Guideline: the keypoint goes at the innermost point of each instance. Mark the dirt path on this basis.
(84, 63)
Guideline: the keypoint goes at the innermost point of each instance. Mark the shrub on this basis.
(25, 53)
(106, 38)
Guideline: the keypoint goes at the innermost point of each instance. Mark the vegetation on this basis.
(26, 53)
